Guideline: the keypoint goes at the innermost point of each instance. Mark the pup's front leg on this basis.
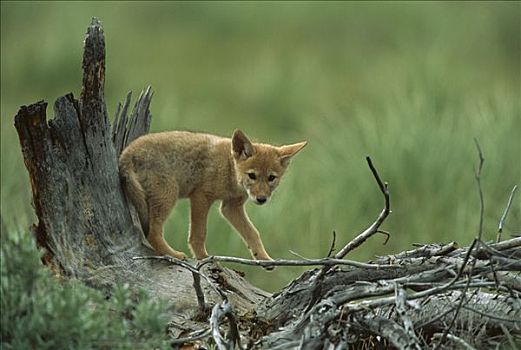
(233, 211)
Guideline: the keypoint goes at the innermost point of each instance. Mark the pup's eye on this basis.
(252, 176)
(271, 178)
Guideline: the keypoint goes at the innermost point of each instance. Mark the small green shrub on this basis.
(40, 312)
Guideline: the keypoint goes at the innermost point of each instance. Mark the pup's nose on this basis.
(261, 199)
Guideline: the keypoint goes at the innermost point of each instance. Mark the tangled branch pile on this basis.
(436, 294)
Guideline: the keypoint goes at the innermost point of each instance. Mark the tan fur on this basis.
(158, 169)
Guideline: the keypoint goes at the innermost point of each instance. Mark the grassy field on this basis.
(410, 84)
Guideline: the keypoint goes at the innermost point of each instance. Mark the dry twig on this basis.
(478, 180)
(294, 263)
(374, 228)
(505, 213)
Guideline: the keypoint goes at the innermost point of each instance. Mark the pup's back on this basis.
(166, 162)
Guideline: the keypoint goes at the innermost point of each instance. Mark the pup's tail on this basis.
(135, 194)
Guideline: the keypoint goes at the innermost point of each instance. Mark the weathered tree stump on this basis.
(434, 296)
(85, 224)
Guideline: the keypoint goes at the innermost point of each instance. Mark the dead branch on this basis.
(508, 244)
(480, 190)
(392, 331)
(402, 307)
(371, 230)
(220, 311)
(505, 213)
(294, 263)
(196, 273)
(455, 339)
(332, 247)
(196, 335)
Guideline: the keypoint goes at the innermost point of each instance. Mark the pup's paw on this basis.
(178, 255)
(268, 258)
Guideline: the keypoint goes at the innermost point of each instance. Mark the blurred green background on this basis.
(410, 84)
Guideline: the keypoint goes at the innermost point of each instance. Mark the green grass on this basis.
(410, 84)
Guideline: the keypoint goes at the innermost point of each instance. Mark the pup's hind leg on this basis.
(199, 207)
(160, 203)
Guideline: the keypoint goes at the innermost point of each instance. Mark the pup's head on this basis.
(260, 167)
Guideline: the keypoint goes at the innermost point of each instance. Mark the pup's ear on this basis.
(242, 147)
(288, 151)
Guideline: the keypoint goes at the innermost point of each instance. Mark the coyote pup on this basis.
(158, 169)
